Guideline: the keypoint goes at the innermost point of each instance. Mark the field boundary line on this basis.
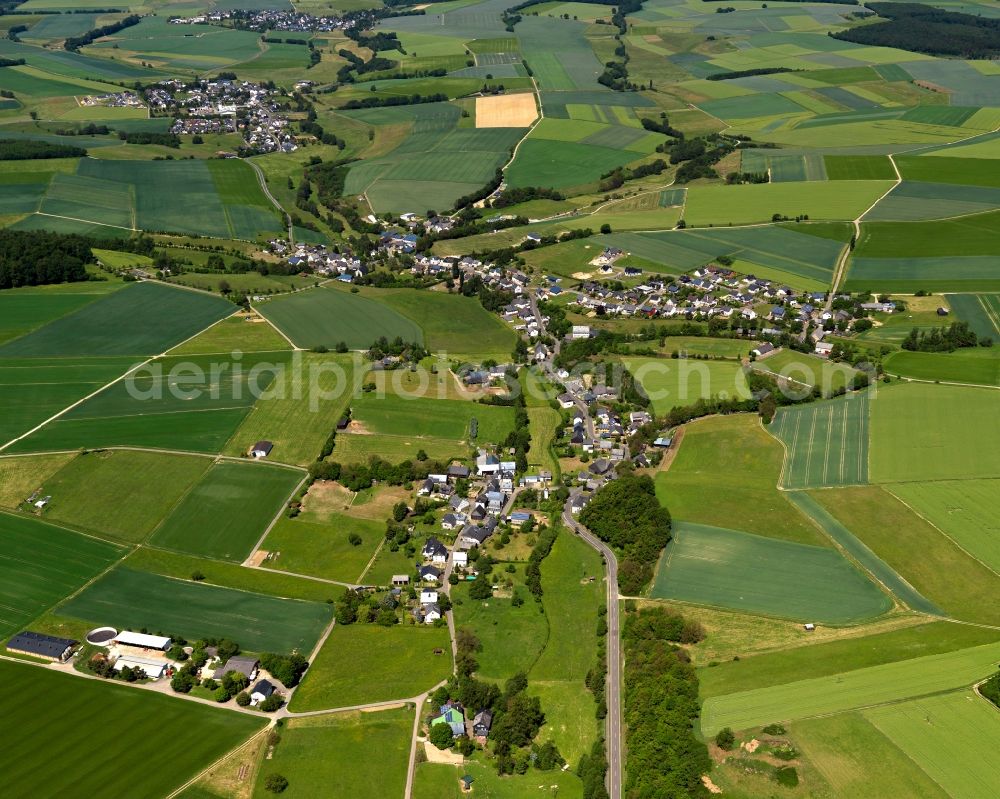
(295, 347)
(372, 559)
(232, 752)
(125, 545)
(184, 495)
(274, 520)
(300, 575)
(85, 221)
(919, 515)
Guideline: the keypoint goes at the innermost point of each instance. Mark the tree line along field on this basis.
(46, 709)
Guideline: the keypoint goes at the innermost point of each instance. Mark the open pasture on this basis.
(302, 407)
(234, 333)
(47, 707)
(917, 551)
(400, 663)
(142, 319)
(979, 367)
(142, 487)
(41, 564)
(326, 317)
(747, 203)
(967, 511)
(227, 510)
(129, 599)
(323, 550)
(731, 569)
(801, 369)
(740, 448)
(332, 755)
(948, 430)
(826, 443)
(192, 404)
(447, 321)
(672, 383)
(849, 690)
(952, 737)
(21, 476)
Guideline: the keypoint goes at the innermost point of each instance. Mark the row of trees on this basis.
(944, 339)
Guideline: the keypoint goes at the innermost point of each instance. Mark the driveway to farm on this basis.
(614, 692)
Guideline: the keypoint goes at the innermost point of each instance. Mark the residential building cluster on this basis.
(114, 100)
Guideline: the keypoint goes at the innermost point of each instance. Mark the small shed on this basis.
(261, 449)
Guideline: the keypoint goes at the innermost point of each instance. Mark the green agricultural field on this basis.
(142, 487)
(456, 325)
(574, 591)
(563, 164)
(981, 311)
(703, 345)
(802, 369)
(859, 167)
(858, 762)
(837, 200)
(258, 623)
(234, 333)
(400, 662)
(836, 656)
(397, 427)
(443, 781)
(33, 390)
(826, 443)
(965, 510)
(332, 755)
(227, 511)
(953, 738)
(512, 638)
(738, 447)
(46, 708)
(978, 367)
(730, 569)
(927, 559)
(21, 476)
(977, 234)
(948, 430)
(849, 690)
(23, 310)
(142, 319)
(942, 169)
(41, 564)
(326, 317)
(323, 550)
(302, 408)
(673, 383)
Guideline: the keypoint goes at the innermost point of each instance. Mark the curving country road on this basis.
(272, 198)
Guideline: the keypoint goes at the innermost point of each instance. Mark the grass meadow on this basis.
(41, 564)
(800, 368)
(326, 317)
(849, 690)
(129, 599)
(734, 461)
(323, 550)
(21, 476)
(332, 755)
(917, 551)
(965, 510)
(398, 662)
(47, 708)
(826, 443)
(726, 568)
(225, 513)
(673, 383)
(141, 487)
(948, 430)
(234, 333)
(978, 367)
(952, 737)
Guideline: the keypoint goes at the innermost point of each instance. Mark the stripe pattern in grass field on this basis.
(826, 443)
